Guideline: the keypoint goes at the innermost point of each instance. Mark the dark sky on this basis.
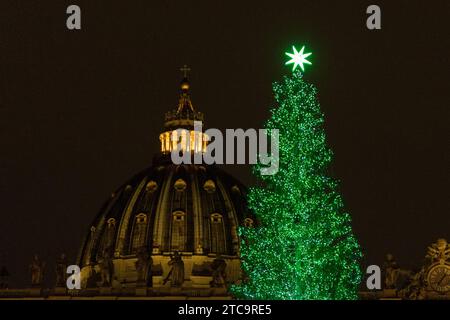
(80, 111)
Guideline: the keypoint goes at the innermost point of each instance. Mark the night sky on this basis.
(81, 111)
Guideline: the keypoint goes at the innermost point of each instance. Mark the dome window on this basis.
(141, 218)
(209, 186)
(178, 231)
(216, 218)
(178, 216)
(108, 237)
(180, 185)
(151, 186)
(139, 232)
(218, 239)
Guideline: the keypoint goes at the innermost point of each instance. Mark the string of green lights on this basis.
(302, 246)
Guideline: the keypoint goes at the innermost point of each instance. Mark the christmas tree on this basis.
(302, 246)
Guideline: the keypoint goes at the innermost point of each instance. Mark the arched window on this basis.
(139, 232)
(151, 186)
(209, 186)
(180, 185)
(178, 242)
(218, 240)
(108, 235)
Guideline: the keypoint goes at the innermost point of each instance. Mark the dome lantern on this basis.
(183, 117)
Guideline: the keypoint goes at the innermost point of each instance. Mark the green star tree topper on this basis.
(298, 58)
(302, 245)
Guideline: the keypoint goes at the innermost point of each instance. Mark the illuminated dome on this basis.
(165, 210)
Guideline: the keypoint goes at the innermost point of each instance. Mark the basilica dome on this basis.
(192, 211)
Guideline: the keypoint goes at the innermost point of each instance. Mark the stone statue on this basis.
(391, 269)
(90, 281)
(199, 249)
(116, 283)
(415, 290)
(176, 273)
(143, 267)
(106, 269)
(37, 271)
(61, 271)
(439, 251)
(218, 267)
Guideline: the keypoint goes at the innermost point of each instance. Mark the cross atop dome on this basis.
(185, 69)
(185, 100)
(184, 82)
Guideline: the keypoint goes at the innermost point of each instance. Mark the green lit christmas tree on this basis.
(302, 246)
